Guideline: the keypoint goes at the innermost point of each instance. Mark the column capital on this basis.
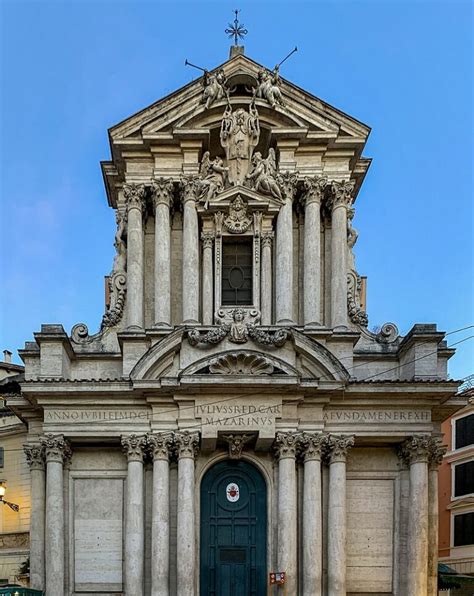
(313, 446)
(313, 189)
(134, 447)
(416, 449)
(207, 239)
(56, 448)
(342, 193)
(186, 444)
(267, 238)
(189, 186)
(162, 192)
(135, 196)
(287, 444)
(339, 446)
(160, 445)
(287, 182)
(437, 452)
(35, 456)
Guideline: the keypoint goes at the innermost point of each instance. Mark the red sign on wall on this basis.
(277, 578)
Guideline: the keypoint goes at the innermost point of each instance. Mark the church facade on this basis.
(234, 427)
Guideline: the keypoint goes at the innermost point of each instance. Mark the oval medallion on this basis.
(232, 492)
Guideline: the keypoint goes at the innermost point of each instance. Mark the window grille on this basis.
(237, 272)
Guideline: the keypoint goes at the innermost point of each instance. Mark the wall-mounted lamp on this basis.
(3, 490)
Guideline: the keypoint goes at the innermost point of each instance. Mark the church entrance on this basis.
(233, 530)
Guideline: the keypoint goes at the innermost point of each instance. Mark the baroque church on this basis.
(234, 427)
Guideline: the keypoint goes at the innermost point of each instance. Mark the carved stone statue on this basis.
(238, 328)
(240, 131)
(213, 174)
(214, 87)
(120, 259)
(268, 87)
(263, 174)
(352, 233)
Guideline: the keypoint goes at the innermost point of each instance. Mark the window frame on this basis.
(453, 433)
(454, 464)
(234, 240)
(453, 515)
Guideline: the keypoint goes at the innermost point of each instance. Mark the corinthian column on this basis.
(207, 277)
(160, 526)
(57, 451)
(284, 251)
(36, 460)
(437, 452)
(186, 447)
(266, 284)
(342, 199)
(134, 561)
(162, 193)
(417, 452)
(190, 251)
(337, 530)
(314, 188)
(286, 445)
(312, 446)
(134, 195)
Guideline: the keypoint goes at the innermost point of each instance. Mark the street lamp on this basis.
(3, 490)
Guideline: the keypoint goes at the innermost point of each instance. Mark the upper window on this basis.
(237, 272)
(464, 479)
(464, 529)
(464, 431)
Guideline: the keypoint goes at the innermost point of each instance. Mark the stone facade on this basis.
(285, 386)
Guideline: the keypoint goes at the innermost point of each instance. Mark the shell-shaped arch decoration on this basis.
(241, 363)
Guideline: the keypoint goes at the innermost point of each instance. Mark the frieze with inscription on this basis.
(377, 416)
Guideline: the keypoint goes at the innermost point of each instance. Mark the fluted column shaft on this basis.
(186, 445)
(284, 253)
(135, 195)
(266, 283)
(160, 526)
(57, 451)
(312, 515)
(312, 250)
(207, 278)
(190, 253)
(337, 515)
(162, 191)
(342, 198)
(36, 460)
(286, 445)
(134, 560)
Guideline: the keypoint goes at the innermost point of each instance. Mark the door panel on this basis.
(233, 530)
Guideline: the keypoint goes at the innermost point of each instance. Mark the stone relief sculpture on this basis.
(215, 87)
(268, 87)
(213, 175)
(237, 222)
(352, 233)
(263, 176)
(356, 314)
(236, 443)
(241, 363)
(117, 280)
(240, 132)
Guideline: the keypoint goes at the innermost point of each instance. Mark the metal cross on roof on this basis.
(236, 30)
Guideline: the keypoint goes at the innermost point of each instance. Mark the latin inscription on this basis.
(383, 416)
(95, 415)
(238, 415)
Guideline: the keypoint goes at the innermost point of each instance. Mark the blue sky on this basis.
(72, 69)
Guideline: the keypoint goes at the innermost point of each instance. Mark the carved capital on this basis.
(416, 449)
(186, 444)
(35, 456)
(288, 184)
(313, 445)
(207, 239)
(287, 444)
(313, 189)
(134, 446)
(190, 188)
(338, 447)
(56, 448)
(236, 444)
(162, 192)
(267, 239)
(342, 193)
(437, 452)
(134, 195)
(160, 445)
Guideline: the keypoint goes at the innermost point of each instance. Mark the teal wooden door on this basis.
(233, 530)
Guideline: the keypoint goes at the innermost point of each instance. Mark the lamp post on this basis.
(3, 490)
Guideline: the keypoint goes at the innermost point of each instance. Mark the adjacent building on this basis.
(234, 416)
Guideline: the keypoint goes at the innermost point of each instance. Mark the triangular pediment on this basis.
(253, 200)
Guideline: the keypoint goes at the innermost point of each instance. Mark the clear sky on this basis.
(72, 69)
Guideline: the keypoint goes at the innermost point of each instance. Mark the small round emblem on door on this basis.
(232, 492)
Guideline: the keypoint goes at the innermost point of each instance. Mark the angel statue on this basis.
(263, 174)
(268, 87)
(213, 174)
(214, 87)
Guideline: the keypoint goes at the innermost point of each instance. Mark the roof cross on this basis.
(236, 30)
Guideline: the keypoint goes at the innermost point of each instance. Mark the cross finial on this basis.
(236, 30)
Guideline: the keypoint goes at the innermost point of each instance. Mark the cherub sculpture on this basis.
(268, 87)
(263, 174)
(238, 329)
(213, 174)
(214, 87)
